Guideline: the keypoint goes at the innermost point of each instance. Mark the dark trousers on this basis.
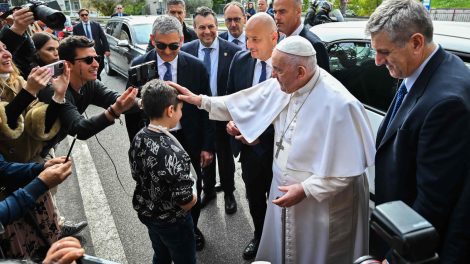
(101, 66)
(257, 174)
(172, 241)
(195, 156)
(225, 161)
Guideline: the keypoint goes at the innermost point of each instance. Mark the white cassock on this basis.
(327, 147)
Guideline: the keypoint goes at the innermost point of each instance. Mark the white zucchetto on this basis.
(296, 45)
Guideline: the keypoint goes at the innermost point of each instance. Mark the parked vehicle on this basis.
(352, 62)
(128, 38)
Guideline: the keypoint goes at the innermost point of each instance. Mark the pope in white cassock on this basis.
(323, 145)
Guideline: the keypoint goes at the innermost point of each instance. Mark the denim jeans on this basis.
(172, 242)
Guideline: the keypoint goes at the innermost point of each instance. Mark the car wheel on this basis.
(107, 67)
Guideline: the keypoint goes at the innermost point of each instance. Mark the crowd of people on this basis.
(260, 91)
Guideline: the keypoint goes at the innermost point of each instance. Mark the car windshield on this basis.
(142, 33)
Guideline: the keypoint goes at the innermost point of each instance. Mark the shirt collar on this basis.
(298, 30)
(214, 45)
(410, 80)
(268, 62)
(309, 86)
(241, 38)
(160, 62)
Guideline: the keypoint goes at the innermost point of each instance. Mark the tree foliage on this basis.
(192, 5)
(450, 4)
(106, 7)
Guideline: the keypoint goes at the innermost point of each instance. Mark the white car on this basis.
(352, 62)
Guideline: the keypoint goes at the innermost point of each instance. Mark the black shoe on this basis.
(218, 187)
(230, 203)
(251, 249)
(200, 240)
(70, 229)
(206, 197)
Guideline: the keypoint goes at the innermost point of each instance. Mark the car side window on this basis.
(110, 27)
(353, 64)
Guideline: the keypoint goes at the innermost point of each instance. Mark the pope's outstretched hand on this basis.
(186, 95)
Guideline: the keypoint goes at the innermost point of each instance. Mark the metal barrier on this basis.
(460, 15)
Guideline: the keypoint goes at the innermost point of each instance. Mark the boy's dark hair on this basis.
(157, 96)
(69, 45)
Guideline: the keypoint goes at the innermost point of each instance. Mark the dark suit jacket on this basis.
(197, 128)
(226, 52)
(115, 14)
(423, 157)
(101, 43)
(322, 55)
(224, 35)
(241, 77)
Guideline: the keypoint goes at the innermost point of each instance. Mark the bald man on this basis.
(319, 159)
(287, 14)
(249, 68)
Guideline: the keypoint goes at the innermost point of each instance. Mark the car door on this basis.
(112, 28)
(353, 64)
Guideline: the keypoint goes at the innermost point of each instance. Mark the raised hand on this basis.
(125, 101)
(22, 18)
(186, 95)
(38, 79)
(64, 251)
(61, 83)
(56, 174)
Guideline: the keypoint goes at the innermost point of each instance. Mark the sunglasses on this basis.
(163, 46)
(89, 59)
(84, 15)
(235, 19)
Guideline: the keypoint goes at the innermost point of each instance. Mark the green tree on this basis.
(191, 5)
(105, 7)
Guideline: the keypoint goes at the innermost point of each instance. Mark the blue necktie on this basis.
(236, 41)
(168, 76)
(87, 33)
(207, 59)
(399, 99)
(262, 76)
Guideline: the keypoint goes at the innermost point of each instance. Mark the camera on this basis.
(57, 68)
(412, 239)
(142, 73)
(53, 19)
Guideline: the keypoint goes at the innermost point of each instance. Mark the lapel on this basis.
(222, 64)
(416, 91)
(193, 48)
(181, 69)
(251, 71)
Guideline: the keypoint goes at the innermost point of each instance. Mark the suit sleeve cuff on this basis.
(36, 188)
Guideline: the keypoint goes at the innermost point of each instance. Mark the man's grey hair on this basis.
(166, 24)
(400, 19)
(309, 62)
(175, 2)
(235, 3)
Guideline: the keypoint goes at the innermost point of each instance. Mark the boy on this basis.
(165, 187)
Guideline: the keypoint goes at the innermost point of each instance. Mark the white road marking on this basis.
(104, 234)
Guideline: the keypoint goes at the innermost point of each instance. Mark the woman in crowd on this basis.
(250, 10)
(25, 125)
(47, 48)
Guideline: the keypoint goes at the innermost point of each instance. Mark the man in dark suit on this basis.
(177, 8)
(93, 31)
(248, 69)
(195, 132)
(216, 55)
(423, 142)
(235, 19)
(287, 14)
(119, 11)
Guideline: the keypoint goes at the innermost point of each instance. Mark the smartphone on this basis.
(87, 259)
(142, 73)
(57, 68)
(70, 149)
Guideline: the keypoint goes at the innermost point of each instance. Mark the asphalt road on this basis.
(100, 191)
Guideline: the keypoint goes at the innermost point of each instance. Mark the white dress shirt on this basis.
(297, 31)
(241, 40)
(88, 28)
(257, 74)
(214, 63)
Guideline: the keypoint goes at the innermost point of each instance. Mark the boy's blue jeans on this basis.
(172, 242)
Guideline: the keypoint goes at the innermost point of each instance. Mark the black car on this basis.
(128, 37)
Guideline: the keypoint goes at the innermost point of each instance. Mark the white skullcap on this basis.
(296, 45)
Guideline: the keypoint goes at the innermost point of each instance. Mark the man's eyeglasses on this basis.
(163, 46)
(234, 19)
(89, 59)
(83, 15)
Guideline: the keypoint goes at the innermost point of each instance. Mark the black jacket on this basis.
(101, 42)
(322, 55)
